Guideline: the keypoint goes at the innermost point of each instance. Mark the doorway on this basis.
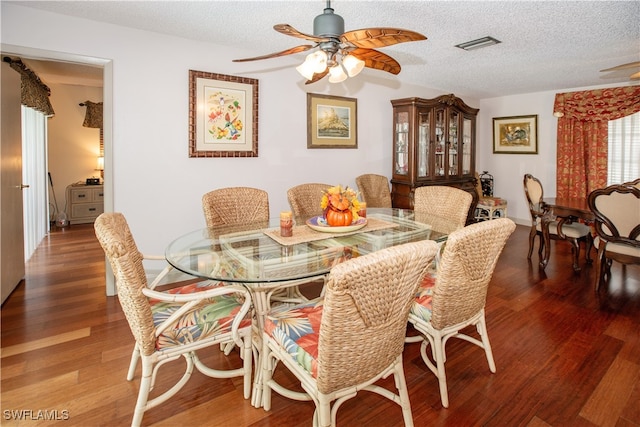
(107, 67)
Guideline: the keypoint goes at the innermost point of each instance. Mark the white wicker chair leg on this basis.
(134, 362)
(324, 410)
(401, 385)
(482, 330)
(442, 376)
(143, 394)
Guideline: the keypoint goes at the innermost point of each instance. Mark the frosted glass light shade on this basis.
(100, 163)
(337, 74)
(320, 61)
(306, 69)
(353, 65)
(315, 62)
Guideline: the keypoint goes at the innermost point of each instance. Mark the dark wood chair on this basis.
(617, 224)
(574, 232)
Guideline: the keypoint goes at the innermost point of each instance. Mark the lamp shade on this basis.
(353, 65)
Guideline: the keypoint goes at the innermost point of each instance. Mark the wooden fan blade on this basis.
(377, 60)
(318, 76)
(290, 31)
(380, 37)
(623, 66)
(635, 76)
(296, 49)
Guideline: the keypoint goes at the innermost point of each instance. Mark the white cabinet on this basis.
(85, 203)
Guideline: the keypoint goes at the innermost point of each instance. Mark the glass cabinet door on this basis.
(466, 146)
(423, 144)
(439, 143)
(401, 144)
(453, 144)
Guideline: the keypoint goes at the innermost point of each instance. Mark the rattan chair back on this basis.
(444, 201)
(465, 270)
(120, 248)
(235, 205)
(374, 190)
(366, 307)
(305, 199)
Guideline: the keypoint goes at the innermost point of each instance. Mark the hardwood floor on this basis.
(564, 355)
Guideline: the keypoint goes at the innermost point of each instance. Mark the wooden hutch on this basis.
(434, 143)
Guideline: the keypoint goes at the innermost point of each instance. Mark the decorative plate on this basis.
(318, 223)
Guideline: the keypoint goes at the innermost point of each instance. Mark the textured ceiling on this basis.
(546, 45)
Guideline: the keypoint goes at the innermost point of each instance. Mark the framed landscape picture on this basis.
(223, 115)
(515, 135)
(331, 122)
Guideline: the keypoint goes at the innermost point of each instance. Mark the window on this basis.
(624, 149)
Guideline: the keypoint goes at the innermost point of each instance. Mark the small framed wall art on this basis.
(332, 121)
(223, 115)
(515, 135)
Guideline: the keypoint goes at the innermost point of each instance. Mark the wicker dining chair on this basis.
(574, 232)
(235, 205)
(305, 199)
(454, 297)
(374, 190)
(168, 325)
(617, 224)
(348, 340)
(445, 201)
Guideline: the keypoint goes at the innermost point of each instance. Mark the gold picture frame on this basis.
(332, 121)
(515, 135)
(223, 115)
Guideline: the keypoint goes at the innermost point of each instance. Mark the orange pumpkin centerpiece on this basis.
(340, 206)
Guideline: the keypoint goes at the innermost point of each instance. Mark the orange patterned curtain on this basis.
(583, 135)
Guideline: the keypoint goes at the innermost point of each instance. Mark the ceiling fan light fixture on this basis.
(315, 62)
(353, 65)
(306, 69)
(319, 61)
(478, 43)
(337, 74)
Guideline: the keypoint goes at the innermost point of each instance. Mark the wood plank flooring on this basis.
(565, 356)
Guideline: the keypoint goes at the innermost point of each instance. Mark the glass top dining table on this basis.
(254, 254)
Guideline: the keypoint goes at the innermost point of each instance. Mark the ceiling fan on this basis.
(341, 51)
(634, 76)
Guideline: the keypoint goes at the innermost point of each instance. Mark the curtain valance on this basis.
(93, 115)
(598, 105)
(34, 93)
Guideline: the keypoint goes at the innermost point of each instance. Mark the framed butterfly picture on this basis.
(223, 115)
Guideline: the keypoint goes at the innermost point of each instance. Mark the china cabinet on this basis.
(434, 143)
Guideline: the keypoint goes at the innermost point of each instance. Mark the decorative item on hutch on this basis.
(488, 207)
(433, 144)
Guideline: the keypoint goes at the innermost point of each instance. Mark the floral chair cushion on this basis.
(209, 317)
(421, 306)
(297, 329)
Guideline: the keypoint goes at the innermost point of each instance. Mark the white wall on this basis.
(156, 185)
(508, 170)
(159, 188)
